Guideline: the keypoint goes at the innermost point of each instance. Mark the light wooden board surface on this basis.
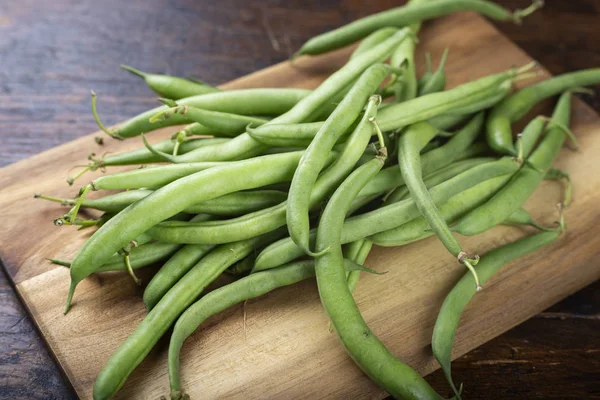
(285, 350)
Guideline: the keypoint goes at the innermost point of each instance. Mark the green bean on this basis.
(448, 318)
(522, 217)
(172, 199)
(467, 98)
(218, 300)
(274, 217)
(434, 81)
(361, 344)
(171, 87)
(284, 135)
(514, 107)
(143, 155)
(447, 121)
(312, 161)
(135, 348)
(404, 58)
(439, 176)
(389, 216)
(406, 15)
(228, 205)
(243, 102)
(224, 124)
(372, 40)
(524, 183)
(141, 256)
(530, 136)
(557, 174)
(410, 143)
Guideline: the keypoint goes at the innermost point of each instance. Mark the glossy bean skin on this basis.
(137, 346)
(249, 287)
(223, 124)
(389, 216)
(274, 217)
(410, 143)
(463, 99)
(171, 87)
(365, 349)
(243, 101)
(460, 295)
(514, 107)
(401, 17)
(452, 209)
(313, 160)
(524, 183)
(172, 199)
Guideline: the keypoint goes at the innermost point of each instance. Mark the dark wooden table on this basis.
(53, 53)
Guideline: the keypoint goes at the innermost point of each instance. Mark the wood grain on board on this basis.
(284, 349)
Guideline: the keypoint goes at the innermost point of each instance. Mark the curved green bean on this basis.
(171, 87)
(404, 16)
(514, 107)
(448, 318)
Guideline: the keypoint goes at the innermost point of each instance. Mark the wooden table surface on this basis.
(53, 53)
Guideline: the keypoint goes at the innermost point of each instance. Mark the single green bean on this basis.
(171, 87)
(365, 349)
(404, 16)
(218, 300)
(448, 318)
(224, 124)
(232, 204)
(514, 107)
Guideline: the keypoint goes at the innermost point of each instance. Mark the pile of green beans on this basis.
(274, 186)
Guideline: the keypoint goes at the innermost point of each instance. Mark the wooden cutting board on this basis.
(284, 349)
